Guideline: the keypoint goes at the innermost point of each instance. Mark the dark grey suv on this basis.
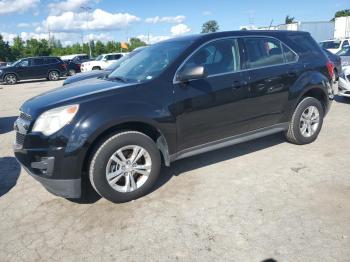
(51, 68)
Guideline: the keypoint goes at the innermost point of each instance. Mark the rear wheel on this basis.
(306, 122)
(10, 79)
(71, 72)
(125, 166)
(54, 75)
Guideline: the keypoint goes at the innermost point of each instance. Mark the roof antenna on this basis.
(270, 24)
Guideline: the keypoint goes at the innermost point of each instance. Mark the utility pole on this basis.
(86, 9)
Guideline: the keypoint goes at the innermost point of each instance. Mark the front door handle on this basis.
(239, 83)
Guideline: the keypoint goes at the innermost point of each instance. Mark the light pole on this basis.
(87, 9)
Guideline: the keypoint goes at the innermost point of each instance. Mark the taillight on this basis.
(78, 66)
(64, 66)
(330, 67)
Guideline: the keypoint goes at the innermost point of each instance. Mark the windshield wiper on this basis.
(118, 78)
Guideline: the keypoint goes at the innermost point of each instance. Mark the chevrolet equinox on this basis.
(172, 100)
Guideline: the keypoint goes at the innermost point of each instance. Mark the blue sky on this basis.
(150, 20)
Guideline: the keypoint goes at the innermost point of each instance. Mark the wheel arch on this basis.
(143, 127)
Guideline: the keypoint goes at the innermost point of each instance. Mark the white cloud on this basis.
(23, 25)
(152, 39)
(97, 20)
(166, 19)
(179, 29)
(17, 6)
(65, 6)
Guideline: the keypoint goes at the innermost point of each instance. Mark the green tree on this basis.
(36, 47)
(135, 43)
(210, 26)
(17, 48)
(5, 50)
(289, 19)
(99, 48)
(111, 47)
(345, 12)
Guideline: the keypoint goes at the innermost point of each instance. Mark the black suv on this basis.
(174, 99)
(48, 67)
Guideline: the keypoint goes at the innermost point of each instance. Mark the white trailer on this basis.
(321, 30)
(342, 27)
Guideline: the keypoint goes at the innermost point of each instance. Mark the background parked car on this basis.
(3, 64)
(344, 55)
(101, 73)
(101, 62)
(74, 62)
(335, 45)
(48, 67)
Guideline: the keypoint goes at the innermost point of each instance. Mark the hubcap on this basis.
(128, 168)
(309, 121)
(54, 76)
(11, 79)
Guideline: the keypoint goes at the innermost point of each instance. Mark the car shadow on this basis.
(89, 195)
(6, 124)
(9, 173)
(179, 167)
(341, 99)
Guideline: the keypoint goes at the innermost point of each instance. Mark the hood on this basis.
(70, 94)
(84, 76)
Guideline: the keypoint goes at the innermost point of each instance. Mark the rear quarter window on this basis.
(263, 51)
(306, 46)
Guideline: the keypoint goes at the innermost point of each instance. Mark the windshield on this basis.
(99, 57)
(150, 62)
(115, 65)
(120, 61)
(16, 63)
(344, 52)
(330, 44)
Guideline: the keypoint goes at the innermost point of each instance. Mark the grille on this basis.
(20, 138)
(25, 116)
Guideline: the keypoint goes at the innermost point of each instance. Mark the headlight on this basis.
(53, 120)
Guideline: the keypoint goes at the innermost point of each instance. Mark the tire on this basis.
(305, 126)
(110, 177)
(54, 75)
(71, 72)
(96, 68)
(10, 79)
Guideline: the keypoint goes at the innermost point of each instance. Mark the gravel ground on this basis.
(265, 199)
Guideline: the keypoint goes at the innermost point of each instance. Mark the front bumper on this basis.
(344, 86)
(67, 188)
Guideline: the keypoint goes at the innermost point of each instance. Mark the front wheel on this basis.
(125, 166)
(10, 79)
(306, 122)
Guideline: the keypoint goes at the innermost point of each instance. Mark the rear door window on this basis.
(218, 57)
(263, 52)
(51, 60)
(37, 61)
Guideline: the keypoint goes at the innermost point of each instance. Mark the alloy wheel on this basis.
(128, 168)
(309, 121)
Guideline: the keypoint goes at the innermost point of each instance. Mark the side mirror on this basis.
(191, 73)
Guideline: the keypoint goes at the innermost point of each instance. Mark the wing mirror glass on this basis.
(191, 73)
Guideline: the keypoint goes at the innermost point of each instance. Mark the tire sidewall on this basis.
(97, 169)
(306, 102)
